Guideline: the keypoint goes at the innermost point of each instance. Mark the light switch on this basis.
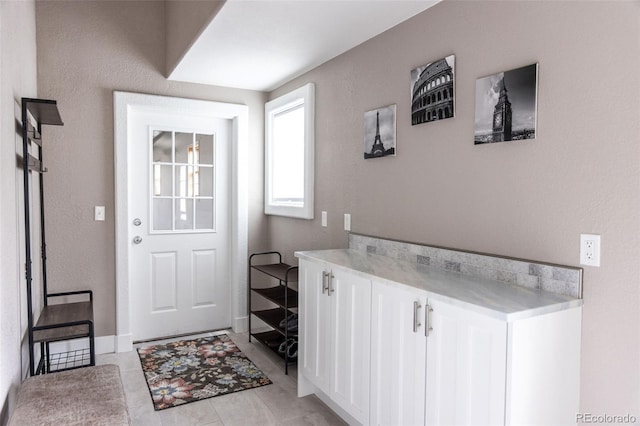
(324, 219)
(99, 213)
(347, 222)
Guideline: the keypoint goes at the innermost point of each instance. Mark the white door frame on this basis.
(123, 103)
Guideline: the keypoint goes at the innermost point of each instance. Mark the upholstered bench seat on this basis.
(84, 396)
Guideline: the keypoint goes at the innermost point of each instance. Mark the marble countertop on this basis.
(493, 298)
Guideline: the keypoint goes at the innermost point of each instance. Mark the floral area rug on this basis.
(190, 370)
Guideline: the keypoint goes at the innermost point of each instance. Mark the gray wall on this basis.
(86, 50)
(17, 80)
(525, 199)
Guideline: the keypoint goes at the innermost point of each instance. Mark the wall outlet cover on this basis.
(99, 213)
(590, 249)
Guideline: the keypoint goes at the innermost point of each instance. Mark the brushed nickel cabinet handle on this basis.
(416, 321)
(427, 320)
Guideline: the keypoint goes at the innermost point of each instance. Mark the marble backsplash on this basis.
(559, 279)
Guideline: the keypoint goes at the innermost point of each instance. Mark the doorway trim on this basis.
(123, 104)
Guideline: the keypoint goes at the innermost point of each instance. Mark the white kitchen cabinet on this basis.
(466, 367)
(454, 376)
(398, 353)
(314, 309)
(335, 314)
(350, 297)
(382, 352)
(543, 369)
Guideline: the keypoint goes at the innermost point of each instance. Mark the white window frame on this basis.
(304, 95)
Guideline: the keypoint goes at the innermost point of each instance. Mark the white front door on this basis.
(178, 220)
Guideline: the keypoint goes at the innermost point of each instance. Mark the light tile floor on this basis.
(275, 404)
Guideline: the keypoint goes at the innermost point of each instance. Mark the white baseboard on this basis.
(104, 345)
(241, 324)
(124, 343)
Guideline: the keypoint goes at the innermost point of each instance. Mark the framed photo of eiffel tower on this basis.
(380, 132)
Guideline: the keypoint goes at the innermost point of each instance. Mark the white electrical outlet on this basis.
(590, 250)
(324, 219)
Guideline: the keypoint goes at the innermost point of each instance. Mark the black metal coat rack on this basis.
(62, 321)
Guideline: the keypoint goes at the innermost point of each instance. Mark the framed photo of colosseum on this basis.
(380, 132)
(506, 106)
(433, 91)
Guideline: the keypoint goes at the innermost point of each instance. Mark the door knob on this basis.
(137, 239)
(137, 222)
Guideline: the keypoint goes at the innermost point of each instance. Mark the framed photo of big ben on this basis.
(506, 106)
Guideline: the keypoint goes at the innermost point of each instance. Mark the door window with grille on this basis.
(182, 181)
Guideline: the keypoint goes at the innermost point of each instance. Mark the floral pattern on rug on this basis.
(190, 370)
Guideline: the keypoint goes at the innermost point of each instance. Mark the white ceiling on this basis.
(262, 44)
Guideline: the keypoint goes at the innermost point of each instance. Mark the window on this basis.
(289, 154)
(182, 172)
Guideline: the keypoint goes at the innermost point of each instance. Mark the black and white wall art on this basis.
(506, 106)
(380, 132)
(433, 91)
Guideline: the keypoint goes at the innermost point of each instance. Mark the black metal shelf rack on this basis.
(282, 296)
(62, 321)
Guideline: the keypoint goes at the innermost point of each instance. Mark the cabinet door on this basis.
(315, 323)
(350, 297)
(466, 367)
(398, 356)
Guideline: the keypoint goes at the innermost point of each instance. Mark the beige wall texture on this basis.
(528, 199)
(86, 50)
(17, 80)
